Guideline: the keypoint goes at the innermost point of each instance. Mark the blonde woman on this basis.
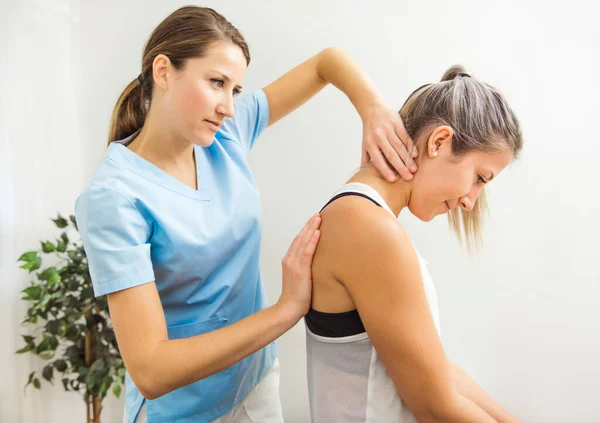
(373, 347)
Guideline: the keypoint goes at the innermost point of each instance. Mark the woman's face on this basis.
(445, 182)
(200, 96)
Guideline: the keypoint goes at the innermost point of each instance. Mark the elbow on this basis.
(328, 58)
(149, 388)
(147, 381)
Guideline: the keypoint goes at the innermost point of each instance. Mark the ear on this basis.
(440, 141)
(161, 69)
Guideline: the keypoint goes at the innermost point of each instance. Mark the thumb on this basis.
(365, 157)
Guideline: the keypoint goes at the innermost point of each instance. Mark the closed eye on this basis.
(481, 179)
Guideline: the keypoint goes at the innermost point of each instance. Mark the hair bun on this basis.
(454, 72)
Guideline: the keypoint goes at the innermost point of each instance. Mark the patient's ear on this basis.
(440, 142)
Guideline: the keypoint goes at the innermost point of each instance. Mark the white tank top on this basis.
(347, 381)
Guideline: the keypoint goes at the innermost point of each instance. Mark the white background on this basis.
(521, 316)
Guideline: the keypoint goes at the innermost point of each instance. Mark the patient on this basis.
(373, 347)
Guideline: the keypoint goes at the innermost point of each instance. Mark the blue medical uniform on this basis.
(201, 247)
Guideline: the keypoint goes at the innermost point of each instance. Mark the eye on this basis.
(481, 180)
(236, 92)
(217, 82)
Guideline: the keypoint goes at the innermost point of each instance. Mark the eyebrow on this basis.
(228, 79)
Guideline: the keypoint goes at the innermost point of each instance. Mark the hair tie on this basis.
(139, 78)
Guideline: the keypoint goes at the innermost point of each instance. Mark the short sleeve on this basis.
(115, 238)
(250, 119)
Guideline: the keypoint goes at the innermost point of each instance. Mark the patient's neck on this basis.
(396, 194)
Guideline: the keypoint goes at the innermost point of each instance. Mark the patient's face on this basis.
(445, 182)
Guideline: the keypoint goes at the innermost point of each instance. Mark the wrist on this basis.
(287, 314)
(370, 106)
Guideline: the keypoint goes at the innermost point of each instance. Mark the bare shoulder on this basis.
(356, 233)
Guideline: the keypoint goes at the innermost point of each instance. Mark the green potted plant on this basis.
(68, 327)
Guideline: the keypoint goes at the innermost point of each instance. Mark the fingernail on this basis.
(413, 167)
(415, 153)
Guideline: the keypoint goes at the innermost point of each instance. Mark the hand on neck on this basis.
(396, 194)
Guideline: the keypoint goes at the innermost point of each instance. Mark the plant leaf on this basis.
(61, 222)
(48, 372)
(36, 383)
(33, 292)
(29, 339)
(60, 365)
(28, 256)
(61, 247)
(47, 355)
(53, 279)
(48, 247)
(25, 349)
(52, 326)
(72, 218)
(33, 264)
(48, 273)
(117, 390)
(105, 385)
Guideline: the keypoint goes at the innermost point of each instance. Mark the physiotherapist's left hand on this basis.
(384, 135)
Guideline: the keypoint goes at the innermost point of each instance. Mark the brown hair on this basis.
(481, 120)
(186, 33)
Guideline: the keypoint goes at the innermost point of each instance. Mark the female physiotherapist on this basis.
(171, 221)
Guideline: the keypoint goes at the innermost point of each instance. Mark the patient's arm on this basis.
(470, 389)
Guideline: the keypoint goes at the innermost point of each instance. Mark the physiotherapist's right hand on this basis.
(297, 275)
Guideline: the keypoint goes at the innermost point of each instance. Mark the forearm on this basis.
(177, 363)
(467, 387)
(339, 69)
(459, 410)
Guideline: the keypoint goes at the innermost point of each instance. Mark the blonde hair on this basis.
(481, 120)
(186, 33)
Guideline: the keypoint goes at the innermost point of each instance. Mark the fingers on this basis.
(407, 141)
(381, 165)
(397, 155)
(365, 157)
(303, 238)
(311, 247)
(313, 225)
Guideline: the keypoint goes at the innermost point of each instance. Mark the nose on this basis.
(467, 202)
(225, 106)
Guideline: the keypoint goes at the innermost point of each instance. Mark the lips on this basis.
(213, 124)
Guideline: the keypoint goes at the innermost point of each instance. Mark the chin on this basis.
(203, 139)
(422, 215)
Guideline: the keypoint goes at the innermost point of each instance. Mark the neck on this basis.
(161, 146)
(396, 194)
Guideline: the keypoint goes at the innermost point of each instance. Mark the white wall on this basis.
(41, 174)
(520, 316)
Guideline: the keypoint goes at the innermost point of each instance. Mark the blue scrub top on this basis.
(201, 247)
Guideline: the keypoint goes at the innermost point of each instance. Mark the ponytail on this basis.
(129, 113)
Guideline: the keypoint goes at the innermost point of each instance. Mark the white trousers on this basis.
(262, 405)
